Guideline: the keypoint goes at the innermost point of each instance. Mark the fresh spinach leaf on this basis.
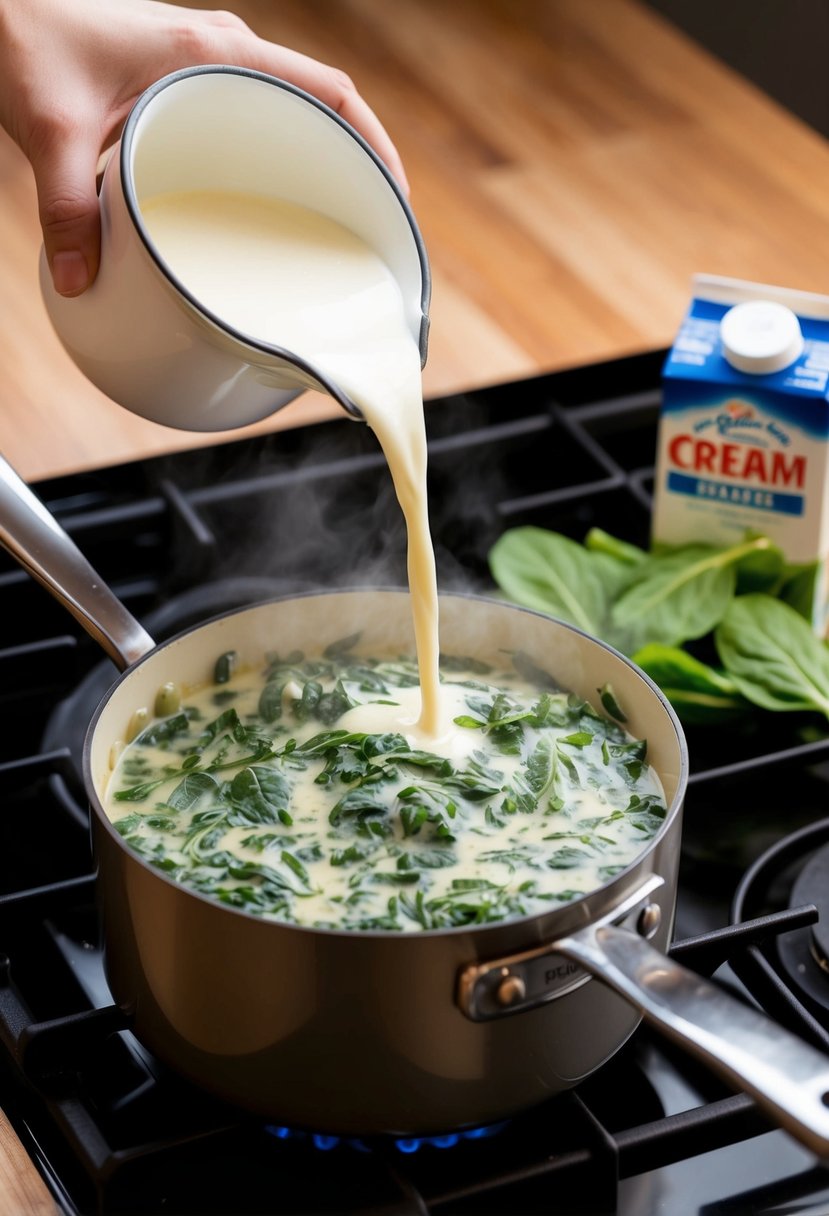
(799, 588)
(344, 763)
(681, 594)
(699, 693)
(270, 700)
(190, 789)
(260, 795)
(332, 705)
(552, 710)
(293, 863)
(352, 853)
(434, 859)
(567, 858)
(305, 705)
(599, 541)
(357, 804)
(646, 812)
(610, 704)
(556, 575)
(161, 734)
(541, 767)
(139, 793)
(762, 568)
(772, 656)
(228, 720)
(678, 596)
(426, 805)
(406, 878)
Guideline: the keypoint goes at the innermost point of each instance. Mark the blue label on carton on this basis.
(741, 452)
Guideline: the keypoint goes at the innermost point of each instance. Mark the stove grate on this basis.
(179, 538)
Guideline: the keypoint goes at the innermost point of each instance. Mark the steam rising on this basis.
(315, 509)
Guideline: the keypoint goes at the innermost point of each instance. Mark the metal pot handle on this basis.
(37, 541)
(785, 1075)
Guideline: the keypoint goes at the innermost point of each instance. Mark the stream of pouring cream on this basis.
(292, 277)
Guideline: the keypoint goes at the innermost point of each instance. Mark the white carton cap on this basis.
(760, 337)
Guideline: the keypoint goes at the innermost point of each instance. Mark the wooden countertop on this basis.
(572, 164)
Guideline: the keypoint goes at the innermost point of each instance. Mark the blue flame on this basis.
(405, 1144)
(326, 1143)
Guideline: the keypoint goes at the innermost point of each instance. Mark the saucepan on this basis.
(406, 1033)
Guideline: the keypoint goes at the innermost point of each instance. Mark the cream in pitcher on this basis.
(744, 428)
(139, 333)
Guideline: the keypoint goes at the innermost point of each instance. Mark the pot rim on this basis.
(575, 912)
(130, 133)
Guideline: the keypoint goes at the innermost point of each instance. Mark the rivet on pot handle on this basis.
(787, 1077)
(38, 542)
(535, 977)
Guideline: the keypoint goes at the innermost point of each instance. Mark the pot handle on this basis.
(785, 1075)
(36, 540)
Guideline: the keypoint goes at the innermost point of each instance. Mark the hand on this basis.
(70, 71)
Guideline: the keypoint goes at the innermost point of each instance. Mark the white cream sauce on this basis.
(339, 819)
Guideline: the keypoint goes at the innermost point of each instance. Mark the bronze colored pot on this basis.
(367, 1031)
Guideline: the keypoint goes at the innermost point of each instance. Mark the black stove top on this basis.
(181, 538)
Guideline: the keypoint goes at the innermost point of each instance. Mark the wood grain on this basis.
(572, 163)
(22, 1191)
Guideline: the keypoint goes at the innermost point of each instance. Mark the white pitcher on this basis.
(137, 333)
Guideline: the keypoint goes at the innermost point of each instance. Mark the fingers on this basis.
(64, 167)
(350, 105)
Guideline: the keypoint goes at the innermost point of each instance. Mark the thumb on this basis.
(69, 214)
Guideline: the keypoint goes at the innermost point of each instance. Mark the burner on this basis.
(790, 975)
(402, 1144)
(812, 887)
(804, 955)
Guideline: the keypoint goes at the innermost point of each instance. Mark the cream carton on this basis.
(743, 441)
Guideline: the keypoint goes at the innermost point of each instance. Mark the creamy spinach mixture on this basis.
(296, 793)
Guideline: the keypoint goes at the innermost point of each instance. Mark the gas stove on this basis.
(184, 537)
